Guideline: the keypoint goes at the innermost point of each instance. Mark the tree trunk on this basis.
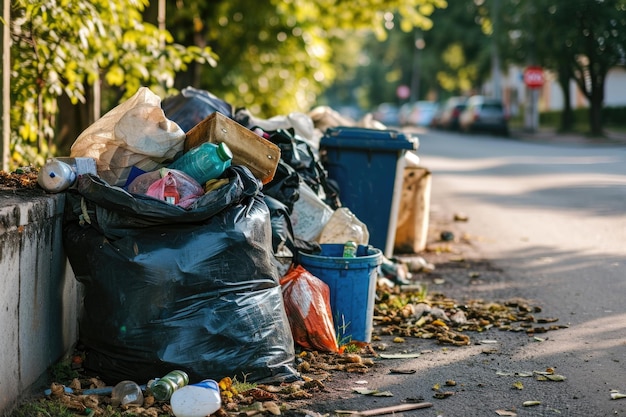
(595, 109)
(567, 115)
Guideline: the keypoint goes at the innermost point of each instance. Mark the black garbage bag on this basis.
(285, 186)
(192, 105)
(298, 154)
(167, 288)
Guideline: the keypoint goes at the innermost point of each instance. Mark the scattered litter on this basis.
(538, 339)
(460, 217)
(447, 236)
(531, 403)
(361, 382)
(439, 281)
(616, 395)
(488, 342)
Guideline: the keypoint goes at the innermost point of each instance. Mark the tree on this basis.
(277, 56)
(63, 48)
(578, 39)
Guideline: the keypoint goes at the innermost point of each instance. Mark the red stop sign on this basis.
(533, 77)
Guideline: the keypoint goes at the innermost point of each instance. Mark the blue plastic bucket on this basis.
(352, 283)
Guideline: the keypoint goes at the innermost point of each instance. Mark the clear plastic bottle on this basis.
(163, 388)
(60, 173)
(197, 400)
(204, 162)
(126, 392)
(56, 176)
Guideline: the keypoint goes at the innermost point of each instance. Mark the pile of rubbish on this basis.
(185, 222)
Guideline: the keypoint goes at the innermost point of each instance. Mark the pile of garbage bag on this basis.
(181, 274)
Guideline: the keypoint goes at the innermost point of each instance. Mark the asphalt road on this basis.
(549, 219)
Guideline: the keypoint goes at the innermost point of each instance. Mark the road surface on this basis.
(551, 219)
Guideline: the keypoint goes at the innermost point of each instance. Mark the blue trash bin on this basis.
(368, 166)
(352, 285)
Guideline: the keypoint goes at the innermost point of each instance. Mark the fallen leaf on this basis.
(398, 355)
(402, 371)
(518, 385)
(398, 339)
(531, 403)
(506, 413)
(617, 395)
(556, 377)
(443, 394)
(373, 392)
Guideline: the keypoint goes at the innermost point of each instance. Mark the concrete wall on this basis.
(39, 298)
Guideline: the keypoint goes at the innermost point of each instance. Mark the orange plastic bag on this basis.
(307, 303)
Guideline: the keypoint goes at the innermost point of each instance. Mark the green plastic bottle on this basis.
(204, 162)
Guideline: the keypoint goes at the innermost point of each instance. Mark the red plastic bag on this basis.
(307, 303)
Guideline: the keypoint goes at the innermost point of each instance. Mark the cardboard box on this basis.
(249, 149)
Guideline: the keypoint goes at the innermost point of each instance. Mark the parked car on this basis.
(452, 109)
(418, 113)
(484, 114)
(387, 113)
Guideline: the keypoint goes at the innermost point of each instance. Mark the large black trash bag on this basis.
(194, 290)
(191, 106)
(285, 186)
(298, 154)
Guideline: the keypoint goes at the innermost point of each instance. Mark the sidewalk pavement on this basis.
(552, 136)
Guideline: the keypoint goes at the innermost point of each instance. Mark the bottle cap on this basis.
(224, 152)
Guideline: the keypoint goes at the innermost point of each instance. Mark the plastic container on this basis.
(126, 393)
(204, 162)
(197, 400)
(368, 166)
(59, 174)
(352, 284)
(163, 388)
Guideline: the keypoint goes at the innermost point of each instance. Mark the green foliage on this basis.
(42, 408)
(62, 372)
(277, 56)
(65, 47)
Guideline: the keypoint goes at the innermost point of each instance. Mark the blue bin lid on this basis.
(364, 138)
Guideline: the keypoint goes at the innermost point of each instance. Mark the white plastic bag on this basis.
(135, 133)
(343, 226)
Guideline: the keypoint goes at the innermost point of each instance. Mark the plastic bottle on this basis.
(349, 249)
(60, 173)
(204, 162)
(163, 388)
(56, 176)
(197, 400)
(126, 392)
